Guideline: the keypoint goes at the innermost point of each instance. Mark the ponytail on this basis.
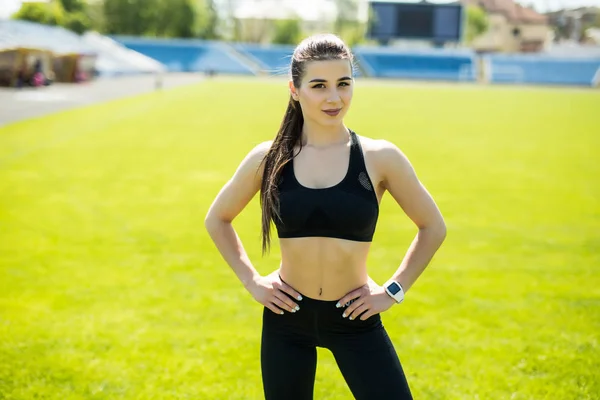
(313, 48)
(280, 153)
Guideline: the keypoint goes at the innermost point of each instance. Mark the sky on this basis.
(7, 7)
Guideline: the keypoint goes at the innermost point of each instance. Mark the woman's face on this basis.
(325, 92)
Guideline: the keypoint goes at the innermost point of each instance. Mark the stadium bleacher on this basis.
(181, 55)
(416, 64)
(538, 69)
(459, 65)
(272, 59)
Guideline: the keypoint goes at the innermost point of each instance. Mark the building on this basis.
(512, 28)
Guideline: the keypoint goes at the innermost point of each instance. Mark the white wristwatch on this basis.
(394, 289)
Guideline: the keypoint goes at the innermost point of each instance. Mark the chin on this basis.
(332, 122)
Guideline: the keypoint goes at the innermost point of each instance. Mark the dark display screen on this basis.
(394, 288)
(417, 22)
(436, 22)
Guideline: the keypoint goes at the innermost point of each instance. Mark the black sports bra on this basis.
(348, 210)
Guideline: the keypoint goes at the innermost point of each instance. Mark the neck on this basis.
(323, 136)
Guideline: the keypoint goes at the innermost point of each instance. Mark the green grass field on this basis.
(111, 289)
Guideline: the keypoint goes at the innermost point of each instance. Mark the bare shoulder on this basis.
(242, 186)
(384, 155)
(258, 152)
(251, 167)
(399, 178)
(255, 156)
(374, 145)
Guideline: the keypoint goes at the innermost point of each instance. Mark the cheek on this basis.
(346, 95)
(310, 99)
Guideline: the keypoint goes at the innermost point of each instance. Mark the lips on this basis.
(332, 112)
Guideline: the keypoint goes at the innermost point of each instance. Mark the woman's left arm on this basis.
(400, 180)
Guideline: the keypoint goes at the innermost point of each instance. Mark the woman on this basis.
(321, 185)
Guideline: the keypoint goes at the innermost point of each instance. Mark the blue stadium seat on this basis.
(542, 69)
(188, 55)
(429, 65)
(273, 59)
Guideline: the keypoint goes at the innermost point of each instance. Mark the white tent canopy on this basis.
(15, 33)
(112, 58)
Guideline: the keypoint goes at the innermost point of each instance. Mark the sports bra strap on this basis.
(357, 160)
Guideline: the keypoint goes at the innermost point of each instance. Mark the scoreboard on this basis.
(424, 21)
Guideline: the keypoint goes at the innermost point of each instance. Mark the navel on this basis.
(320, 291)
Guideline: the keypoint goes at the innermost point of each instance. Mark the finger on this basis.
(291, 305)
(352, 307)
(282, 305)
(289, 290)
(273, 308)
(367, 315)
(359, 310)
(350, 296)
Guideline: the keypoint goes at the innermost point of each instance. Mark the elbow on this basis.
(439, 230)
(208, 222)
(212, 223)
(436, 231)
(442, 231)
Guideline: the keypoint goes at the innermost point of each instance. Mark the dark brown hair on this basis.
(323, 47)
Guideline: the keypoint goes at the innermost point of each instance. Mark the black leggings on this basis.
(362, 349)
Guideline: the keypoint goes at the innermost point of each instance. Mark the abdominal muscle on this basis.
(324, 268)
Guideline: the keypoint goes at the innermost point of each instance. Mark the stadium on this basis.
(112, 289)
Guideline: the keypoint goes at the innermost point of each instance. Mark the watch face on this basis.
(394, 288)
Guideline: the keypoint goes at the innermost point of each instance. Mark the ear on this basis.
(293, 91)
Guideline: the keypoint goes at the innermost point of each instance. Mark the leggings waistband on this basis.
(309, 301)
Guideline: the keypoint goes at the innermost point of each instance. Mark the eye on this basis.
(319, 86)
(344, 84)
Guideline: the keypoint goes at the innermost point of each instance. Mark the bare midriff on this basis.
(324, 268)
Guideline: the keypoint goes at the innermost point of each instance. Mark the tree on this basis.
(175, 18)
(54, 13)
(346, 24)
(160, 18)
(130, 17)
(95, 12)
(73, 5)
(208, 21)
(477, 22)
(34, 12)
(287, 31)
(77, 22)
(50, 13)
(593, 24)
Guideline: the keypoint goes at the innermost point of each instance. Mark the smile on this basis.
(333, 112)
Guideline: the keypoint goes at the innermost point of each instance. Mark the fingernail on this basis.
(281, 312)
(350, 318)
(338, 305)
(297, 308)
(293, 310)
(344, 315)
(299, 297)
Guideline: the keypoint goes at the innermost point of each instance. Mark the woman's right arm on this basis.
(230, 201)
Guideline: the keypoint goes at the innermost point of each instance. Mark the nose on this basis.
(334, 96)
